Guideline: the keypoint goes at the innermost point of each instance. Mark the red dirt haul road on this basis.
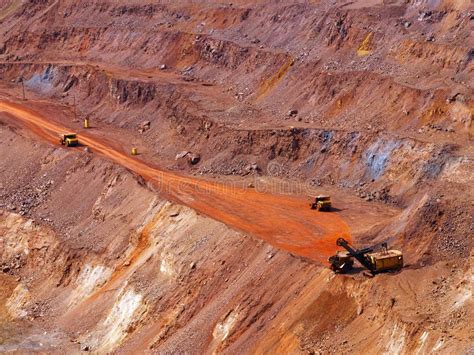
(285, 222)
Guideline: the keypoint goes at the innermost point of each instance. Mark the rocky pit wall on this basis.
(376, 165)
(92, 258)
(130, 271)
(211, 81)
(116, 268)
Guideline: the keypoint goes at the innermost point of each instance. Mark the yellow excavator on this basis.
(69, 139)
(375, 262)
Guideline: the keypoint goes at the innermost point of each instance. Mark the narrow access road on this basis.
(283, 221)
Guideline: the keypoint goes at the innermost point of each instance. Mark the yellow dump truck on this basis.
(68, 139)
(321, 203)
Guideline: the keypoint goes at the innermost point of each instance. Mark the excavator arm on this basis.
(358, 254)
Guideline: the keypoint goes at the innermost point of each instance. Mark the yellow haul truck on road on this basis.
(384, 260)
(69, 139)
(321, 203)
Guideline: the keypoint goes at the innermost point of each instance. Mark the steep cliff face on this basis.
(358, 75)
(368, 101)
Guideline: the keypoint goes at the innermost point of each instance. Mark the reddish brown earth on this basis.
(285, 222)
(368, 101)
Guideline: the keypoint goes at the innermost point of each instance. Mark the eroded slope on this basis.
(370, 101)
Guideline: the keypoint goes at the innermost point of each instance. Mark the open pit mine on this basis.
(237, 177)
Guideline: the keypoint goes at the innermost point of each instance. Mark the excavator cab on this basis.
(68, 139)
(321, 203)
